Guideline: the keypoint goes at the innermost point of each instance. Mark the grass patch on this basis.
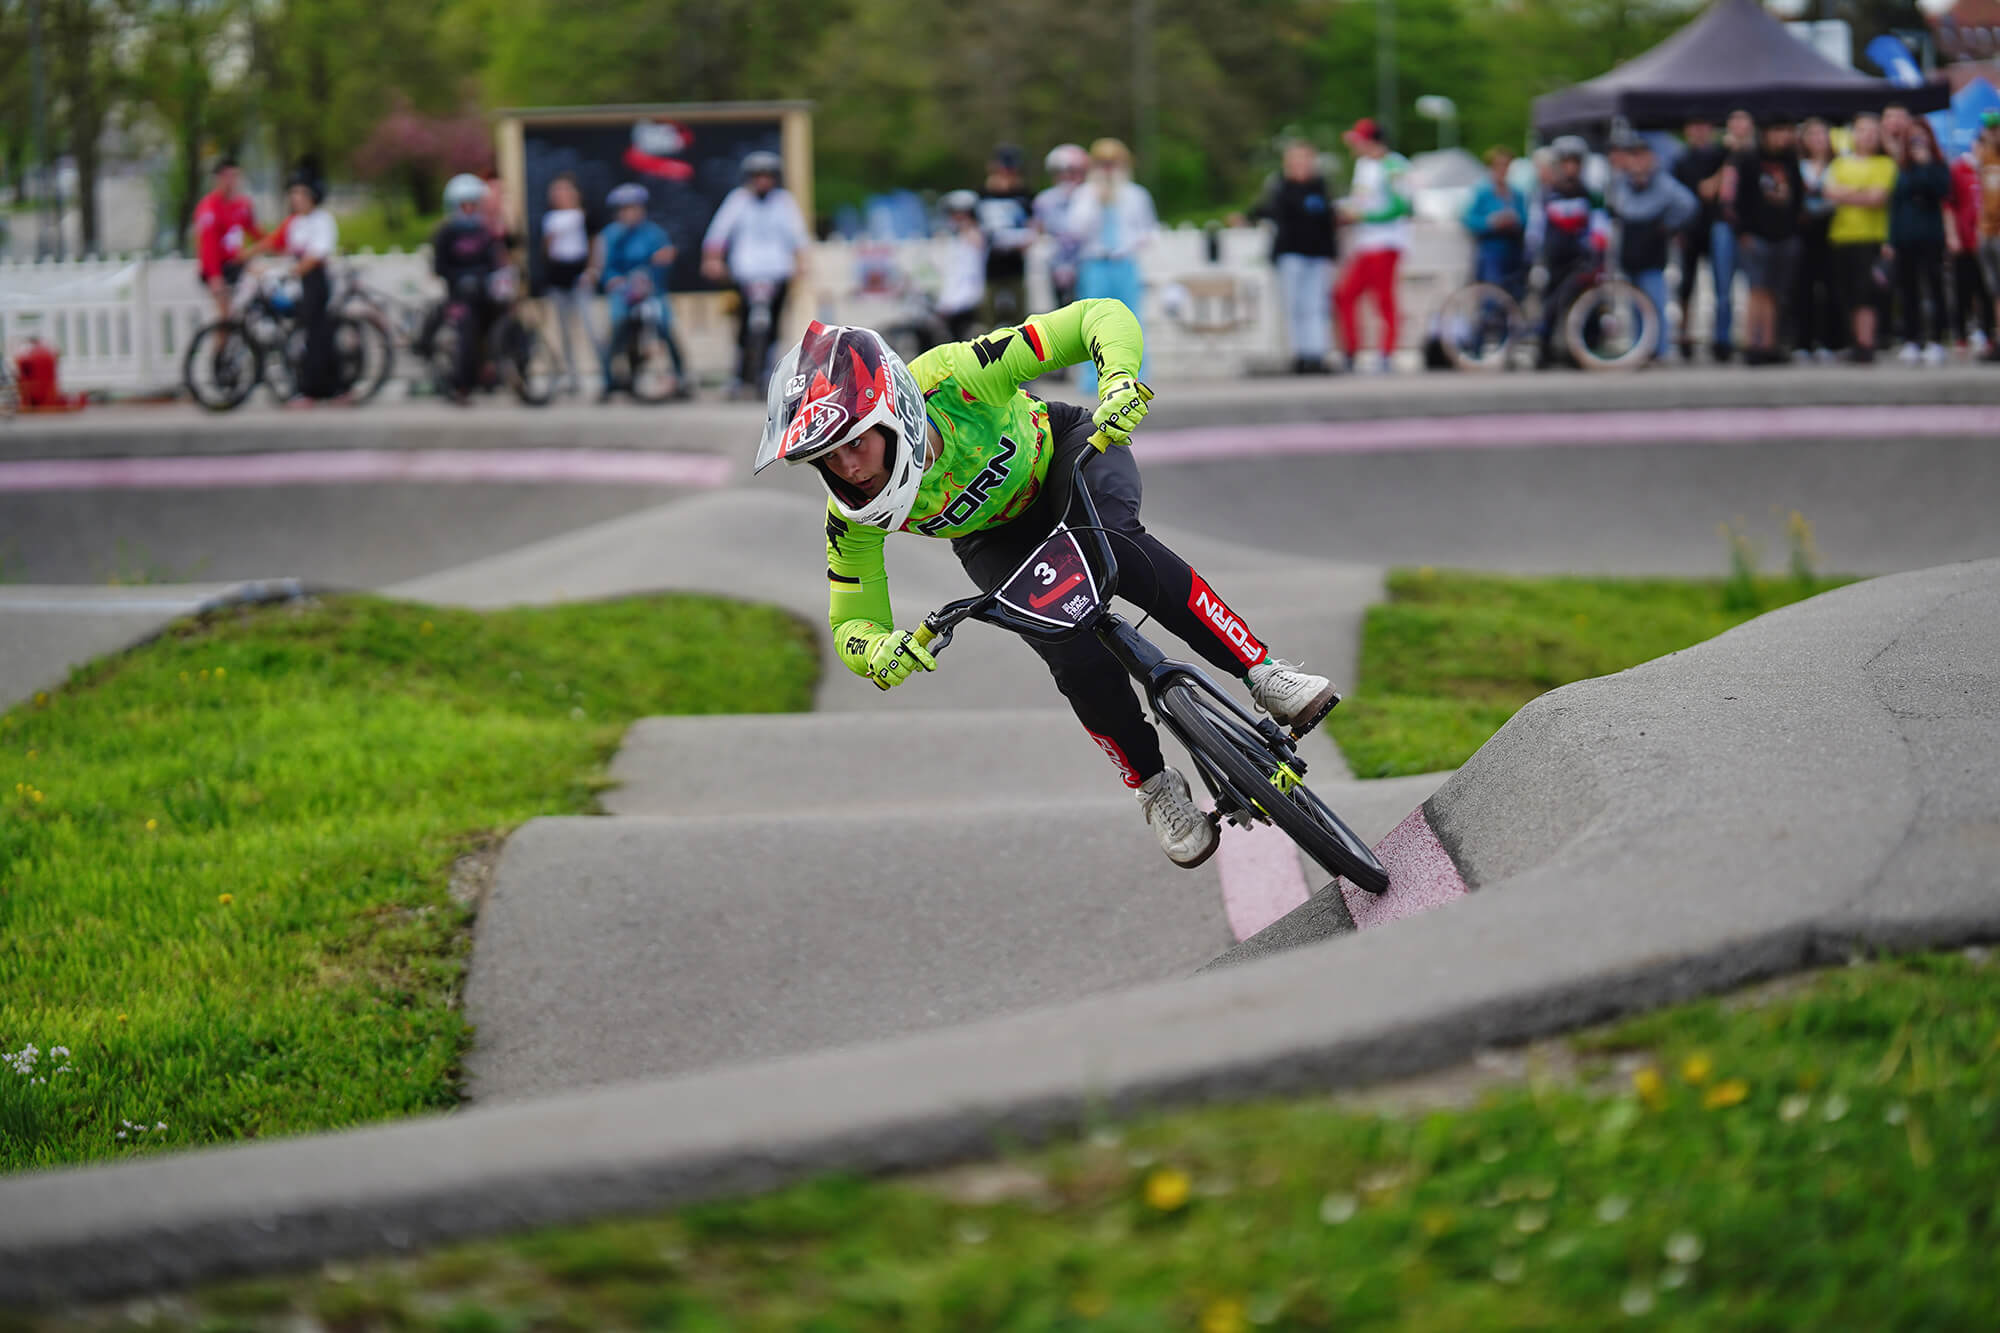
(1815, 1154)
(1451, 655)
(225, 856)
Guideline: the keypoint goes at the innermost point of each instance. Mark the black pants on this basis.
(755, 332)
(1150, 576)
(1693, 249)
(1814, 318)
(319, 368)
(1920, 278)
(1971, 306)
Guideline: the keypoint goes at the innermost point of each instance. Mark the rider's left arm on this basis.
(993, 368)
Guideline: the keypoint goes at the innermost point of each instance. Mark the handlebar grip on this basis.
(923, 636)
(1100, 441)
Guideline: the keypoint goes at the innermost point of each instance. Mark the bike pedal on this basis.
(1300, 733)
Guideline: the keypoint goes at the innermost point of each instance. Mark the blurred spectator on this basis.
(566, 269)
(757, 241)
(1006, 215)
(1544, 162)
(1708, 237)
(1113, 219)
(1650, 206)
(1739, 132)
(1970, 319)
(962, 290)
(1067, 165)
(225, 221)
(1569, 237)
(1815, 309)
(636, 255)
(1986, 155)
(465, 254)
(494, 212)
(310, 237)
(1858, 184)
(1896, 123)
(1496, 216)
(1919, 236)
(1378, 206)
(1764, 196)
(1298, 201)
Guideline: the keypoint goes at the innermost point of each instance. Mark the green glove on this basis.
(892, 655)
(1121, 406)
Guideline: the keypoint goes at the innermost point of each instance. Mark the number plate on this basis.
(1054, 584)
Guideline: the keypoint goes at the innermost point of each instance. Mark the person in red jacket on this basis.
(1971, 303)
(225, 221)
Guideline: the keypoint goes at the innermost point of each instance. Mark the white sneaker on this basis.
(1294, 697)
(1978, 341)
(1910, 354)
(1185, 833)
(1824, 356)
(1934, 354)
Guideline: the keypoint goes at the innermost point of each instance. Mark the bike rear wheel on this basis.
(222, 367)
(651, 365)
(527, 362)
(1479, 326)
(1233, 755)
(1613, 326)
(378, 355)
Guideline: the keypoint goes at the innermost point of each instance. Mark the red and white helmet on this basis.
(835, 386)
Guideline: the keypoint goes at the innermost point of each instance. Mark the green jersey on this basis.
(993, 448)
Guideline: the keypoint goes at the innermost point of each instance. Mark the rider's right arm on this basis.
(857, 583)
(724, 224)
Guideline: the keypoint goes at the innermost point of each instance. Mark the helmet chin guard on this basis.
(834, 387)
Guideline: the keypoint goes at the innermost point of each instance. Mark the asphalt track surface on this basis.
(723, 917)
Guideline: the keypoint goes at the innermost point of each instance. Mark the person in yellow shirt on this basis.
(1858, 185)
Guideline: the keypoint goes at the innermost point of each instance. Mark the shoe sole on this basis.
(1202, 860)
(1316, 713)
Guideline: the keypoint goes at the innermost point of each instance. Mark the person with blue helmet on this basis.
(636, 255)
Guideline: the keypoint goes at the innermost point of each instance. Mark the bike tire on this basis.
(649, 369)
(378, 355)
(207, 351)
(523, 364)
(1479, 326)
(1240, 756)
(1615, 300)
(350, 354)
(441, 355)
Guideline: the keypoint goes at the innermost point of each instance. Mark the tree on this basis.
(184, 45)
(87, 84)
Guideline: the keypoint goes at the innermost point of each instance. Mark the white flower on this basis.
(1684, 1247)
(59, 1050)
(1835, 1108)
(1613, 1207)
(1794, 1106)
(1337, 1208)
(121, 1133)
(1636, 1301)
(161, 1125)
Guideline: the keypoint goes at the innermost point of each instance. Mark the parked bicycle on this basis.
(1605, 323)
(639, 346)
(262, 342)
(1250, 765)
(511, 350)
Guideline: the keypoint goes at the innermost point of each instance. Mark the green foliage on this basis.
(1811, 1156)
(224, 856)
(1451, 656)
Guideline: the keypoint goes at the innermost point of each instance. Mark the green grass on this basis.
(1451, 656)
(1819, 1154)
(225, 856)
(371, 227)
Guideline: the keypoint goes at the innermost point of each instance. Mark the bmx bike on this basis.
(262, 342)
(1250, 765)
(640, 346)
(1603, 322)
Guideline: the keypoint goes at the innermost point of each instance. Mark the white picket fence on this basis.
(123, 324)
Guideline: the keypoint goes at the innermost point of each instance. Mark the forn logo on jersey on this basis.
(1228, 626)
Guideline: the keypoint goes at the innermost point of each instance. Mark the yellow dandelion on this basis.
(1652, 1089)
(204, 673)
(220, 672)
(122, 1017)
(1089, 1304)
(152, 824)
(1223, 1316)
(225, 898)
(1726, 1093)
(1697, 1068)
(1167, 1189)
(33, 753)
(41, 698)
(1436, 1221)
(426, 628)
(36, 797)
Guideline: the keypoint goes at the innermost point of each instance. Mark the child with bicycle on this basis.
(1651, 208)
(636, 254)
(952, 446)
(466, 254)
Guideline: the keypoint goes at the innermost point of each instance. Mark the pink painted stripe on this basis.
(1421, 876)
(1261, 877)
(1732, 425)
(337, 466)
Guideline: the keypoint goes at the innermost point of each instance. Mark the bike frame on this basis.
(1146, 664)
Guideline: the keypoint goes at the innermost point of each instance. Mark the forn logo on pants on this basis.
(1228, 626)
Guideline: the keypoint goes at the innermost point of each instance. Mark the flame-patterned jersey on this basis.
(994, 443)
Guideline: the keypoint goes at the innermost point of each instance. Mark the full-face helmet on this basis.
(835, 386)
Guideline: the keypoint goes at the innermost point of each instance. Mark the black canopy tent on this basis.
(1735, 56)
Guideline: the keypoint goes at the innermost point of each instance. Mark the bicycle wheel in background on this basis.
(350, 354)
(1613, 326)
(222, 366)
(1238, 754)
(10, 395)
(1479, 325)
(441, 354)
(526, 361)
(651, 378)
(378, 355)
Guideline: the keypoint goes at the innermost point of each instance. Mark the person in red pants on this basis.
(1378, 209)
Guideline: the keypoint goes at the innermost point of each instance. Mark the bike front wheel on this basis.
(652, 378)
(1479, 325)
(527, 362)
(222, 367)
(1613, 326)
(1234, 756)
